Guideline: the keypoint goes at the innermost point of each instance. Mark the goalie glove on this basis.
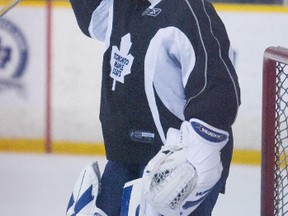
(185, 170)
(83, 199)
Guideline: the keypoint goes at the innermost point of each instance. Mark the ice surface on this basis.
(41, 184)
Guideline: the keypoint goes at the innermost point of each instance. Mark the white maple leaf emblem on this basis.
(121, 61)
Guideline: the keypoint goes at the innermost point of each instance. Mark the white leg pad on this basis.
(85, 191)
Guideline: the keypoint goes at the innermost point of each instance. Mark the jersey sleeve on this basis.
(83, 11)
(212, 90)
(101, 20)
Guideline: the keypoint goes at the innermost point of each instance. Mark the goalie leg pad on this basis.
(85, 191)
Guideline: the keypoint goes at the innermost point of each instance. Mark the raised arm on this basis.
(83, 10)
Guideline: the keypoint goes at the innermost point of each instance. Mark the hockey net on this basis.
(274, 161)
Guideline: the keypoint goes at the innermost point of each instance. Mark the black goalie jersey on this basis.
(164, 62)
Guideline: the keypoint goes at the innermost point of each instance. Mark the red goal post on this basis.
(274, 157)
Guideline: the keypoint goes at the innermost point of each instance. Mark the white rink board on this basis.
(22, 100)
(76, 76)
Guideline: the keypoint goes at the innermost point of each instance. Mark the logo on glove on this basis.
(207, 133)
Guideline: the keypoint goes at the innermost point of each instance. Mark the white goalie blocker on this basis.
(181, 175)
(174, 182)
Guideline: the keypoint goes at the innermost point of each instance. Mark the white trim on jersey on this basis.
(100, 26)
(170, 56)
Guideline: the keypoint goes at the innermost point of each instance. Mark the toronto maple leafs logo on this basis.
(121, 61)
